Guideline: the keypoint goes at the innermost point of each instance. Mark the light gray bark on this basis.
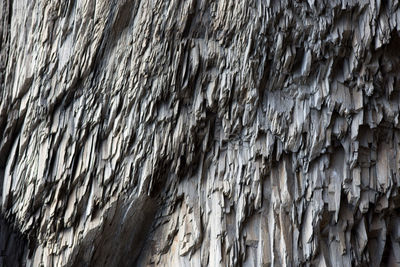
(200, 132)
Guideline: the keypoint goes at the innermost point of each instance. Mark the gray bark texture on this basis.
(199, 133)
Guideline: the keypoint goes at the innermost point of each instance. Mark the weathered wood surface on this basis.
(200, 133)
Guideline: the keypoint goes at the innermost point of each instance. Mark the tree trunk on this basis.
(199, 133)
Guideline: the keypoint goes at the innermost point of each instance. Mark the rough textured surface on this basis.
(200, 132)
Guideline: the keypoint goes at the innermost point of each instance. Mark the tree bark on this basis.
(199, 133)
